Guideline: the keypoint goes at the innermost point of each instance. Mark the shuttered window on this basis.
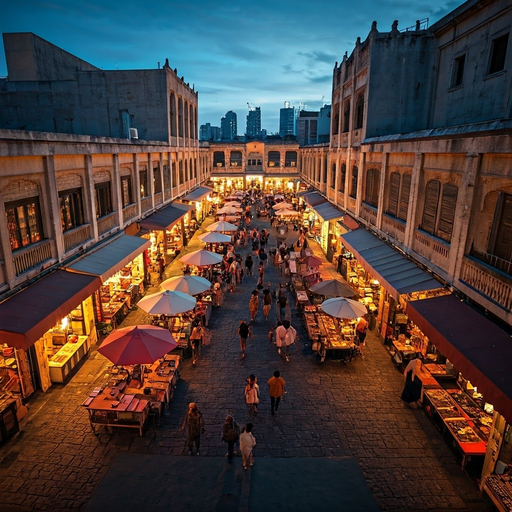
(394, 193)
(503, 232)
(359, 111)
(353, 190)
(447, 211)
(372, 187)
(432, 190)
(343, 177)
(333, 175)
(346, 117)
(403, 207)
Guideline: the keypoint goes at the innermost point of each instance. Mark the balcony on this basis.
(159, 198)
(431, 248)
(489, 282)
(106, 223)
(145, 204)
(393, 227)
(32, 256)
(76, 237)
(368, 213)
(129, 212)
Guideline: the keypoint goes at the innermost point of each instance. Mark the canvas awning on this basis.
(198, 194)
(476, 346)
(348, 222)
(30, 313)
(112, 257)
(166, 217)
(327, 211)
(395, 272)
(313, 198)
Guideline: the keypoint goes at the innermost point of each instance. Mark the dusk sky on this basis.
(263, 53)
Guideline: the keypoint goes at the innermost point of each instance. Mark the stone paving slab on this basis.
(158, 482)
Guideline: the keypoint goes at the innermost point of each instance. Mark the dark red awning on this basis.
(476, 346)
(27, 315)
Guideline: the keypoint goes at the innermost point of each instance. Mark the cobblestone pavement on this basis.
(331, 410)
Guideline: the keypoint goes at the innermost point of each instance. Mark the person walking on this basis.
(261, 273)
(283, 309)
(244, 331)
(194, 420)
(230, 435)
(196, 335)
(247, 443)
(254, 303)
(267, 302)
(248, 264)
(254, 381)
(251, 397)
(276, 388)
(361, 329)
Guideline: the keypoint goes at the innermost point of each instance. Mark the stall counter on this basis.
(63, 362)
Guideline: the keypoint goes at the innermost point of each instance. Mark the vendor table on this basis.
(163, 377)
(110, 408)
(62, 363)
(499, 489)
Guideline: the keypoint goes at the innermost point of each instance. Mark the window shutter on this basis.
(447, 214)
(404, 197)
(372, 187)
(430, 208)
(394, 188)
(503, 247)
(341, 186)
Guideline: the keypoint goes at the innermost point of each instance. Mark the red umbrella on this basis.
(311, 261)
(137, 344)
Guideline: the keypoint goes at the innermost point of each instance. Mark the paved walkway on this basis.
(333, 417)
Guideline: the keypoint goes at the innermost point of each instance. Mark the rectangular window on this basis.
(144, 192)
(167, 178)
(498, 54)
(71, 209)
(458, 71)
(157, 180)
(24, 222)
(126, 190)
(103, 199)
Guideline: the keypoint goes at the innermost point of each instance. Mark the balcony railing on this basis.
(129, 212)
(493, 261)
(106, 223)
(76, 236)
(159, 198)
(491, 284)
(431, 248)
(368, 213)
(393, 227)
(32, 256)
(145, 204)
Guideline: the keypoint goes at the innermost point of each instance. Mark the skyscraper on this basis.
(287, 120)
(228, 126)
(307, 123)
(253, 128)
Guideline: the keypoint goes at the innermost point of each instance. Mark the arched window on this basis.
(359, 111)
(447, 211)
(371, 196)
(191, 121)
(353, 188)
(182, 178)
(428, 221)
(173, 114)
(346, 117)
(186, 125)
(343, 177)
(336, 120)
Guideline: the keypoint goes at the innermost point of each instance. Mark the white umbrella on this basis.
(239, 193)
(278, 196)
(170, 303)
(230, 210)
(236, 204)
(201, 258)
(232, 197)
(340, 307)
(279, 206)
(287, 213)
(193, 285)
(213, 237)
(221, 226)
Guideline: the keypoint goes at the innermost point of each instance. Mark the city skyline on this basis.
(291, 58)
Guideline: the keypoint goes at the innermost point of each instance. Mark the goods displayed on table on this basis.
(499, 488)
(462, 431)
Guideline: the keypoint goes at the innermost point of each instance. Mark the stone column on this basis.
(117, 199)
(10, 271)
(151, 184)
(361, 170)
(137, 184)
(90, 195)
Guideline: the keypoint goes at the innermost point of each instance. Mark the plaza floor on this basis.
(343, 439)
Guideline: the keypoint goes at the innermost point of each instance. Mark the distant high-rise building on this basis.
(307, 127)
(253, 128)
(209, 132)
(287, 120)
(324, 124)
(228, 127)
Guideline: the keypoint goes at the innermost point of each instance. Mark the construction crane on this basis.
(250, 107)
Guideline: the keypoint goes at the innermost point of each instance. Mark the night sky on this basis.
(263, 53)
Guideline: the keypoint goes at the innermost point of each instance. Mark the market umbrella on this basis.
(169, 303)
(311, 261)
(229, 210)
(222, 225)
(193, 285)
(278, 196)
(233, 203)
(340, 307)
(287, 213)
(137, 344)
(333, 288)
(239, 193)
(201, 258)
(279, 206)
(213, 237)
(232, 197)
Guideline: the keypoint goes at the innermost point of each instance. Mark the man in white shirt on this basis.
(286, 335)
